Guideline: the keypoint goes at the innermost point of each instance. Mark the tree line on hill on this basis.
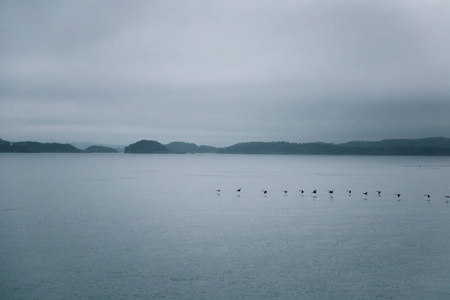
(36, 147)
(425, 146)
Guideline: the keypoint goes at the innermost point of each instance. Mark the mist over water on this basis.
(115, 226)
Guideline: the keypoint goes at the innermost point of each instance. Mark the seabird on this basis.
(314, 191)
(238, 190)
(378, 192)
(285, 192)
(330, 191)
(301, 191)
(365, 193)
(264, 192)
(447, 196)
(349, 192)
(398, 195)
(427, 195)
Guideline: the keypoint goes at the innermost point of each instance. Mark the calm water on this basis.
(115, 226)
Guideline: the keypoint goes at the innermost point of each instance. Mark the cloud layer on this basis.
(218, 73)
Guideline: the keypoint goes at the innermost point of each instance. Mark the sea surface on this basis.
(124, 226)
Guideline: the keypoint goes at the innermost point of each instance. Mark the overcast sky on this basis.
(222, 72)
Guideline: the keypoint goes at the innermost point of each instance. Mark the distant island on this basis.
(100, 149)
(181, 147)
(145, 146)
(433, 146)
(426, 146)
(36, 147)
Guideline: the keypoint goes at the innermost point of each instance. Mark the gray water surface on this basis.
(115, 226)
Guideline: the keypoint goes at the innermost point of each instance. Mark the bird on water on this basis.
(331, 192)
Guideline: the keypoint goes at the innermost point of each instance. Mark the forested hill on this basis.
(145, 146)
(425, 146)
(182, 147)
(436, 142)
(282, 148)
(36, 147)
(100, 149)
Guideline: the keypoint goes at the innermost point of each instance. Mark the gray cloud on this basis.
(217, 73)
